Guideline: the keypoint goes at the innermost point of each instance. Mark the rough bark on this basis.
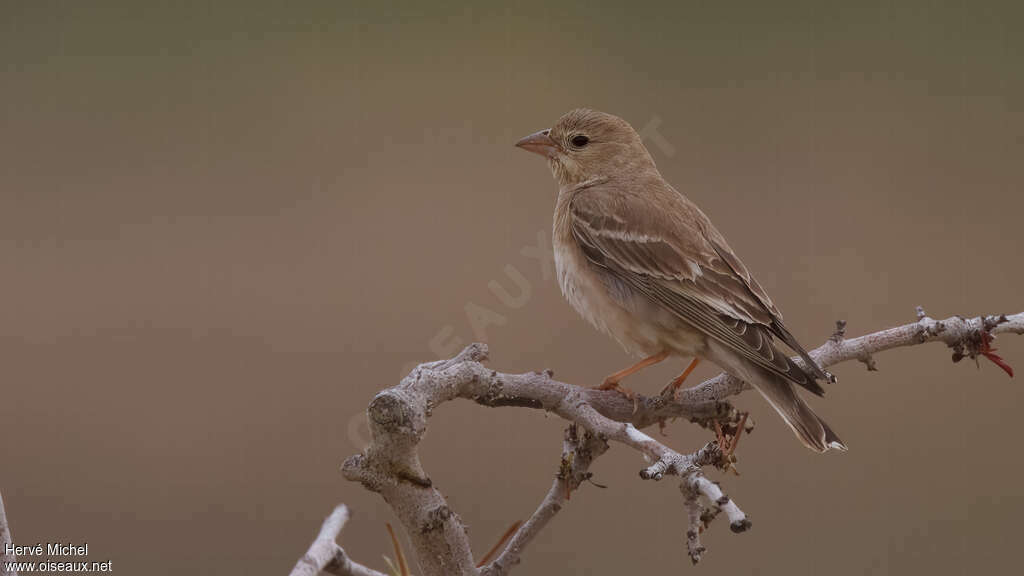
(398, 417)
(324, 554)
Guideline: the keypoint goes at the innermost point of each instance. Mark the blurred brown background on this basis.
(224, 228)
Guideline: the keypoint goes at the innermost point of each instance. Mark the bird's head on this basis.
(585, 144)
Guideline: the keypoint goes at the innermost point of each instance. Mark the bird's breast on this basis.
(605, 304)
(615, 308)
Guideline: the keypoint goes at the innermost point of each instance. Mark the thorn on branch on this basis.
(840, 332)
(988, 323)
(869, 361)
(475, 352)
(928, 328)
(357, 469)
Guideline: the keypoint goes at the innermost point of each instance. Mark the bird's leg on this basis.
(677, 382)
(720, 436)
(612, 381)
(728, 443)
(736, 437)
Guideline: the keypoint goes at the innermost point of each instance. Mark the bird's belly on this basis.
(615, 309)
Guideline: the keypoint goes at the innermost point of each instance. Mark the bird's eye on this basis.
(580, 140)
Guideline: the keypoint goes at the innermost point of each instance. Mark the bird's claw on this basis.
(612, 384)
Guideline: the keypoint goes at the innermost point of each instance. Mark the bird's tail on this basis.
(780, 393)
(808, 427)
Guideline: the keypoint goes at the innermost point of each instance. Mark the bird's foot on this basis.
(613, 379)
(613, 384)
(723, 443)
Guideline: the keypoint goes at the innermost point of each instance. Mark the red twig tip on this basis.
(988, 351)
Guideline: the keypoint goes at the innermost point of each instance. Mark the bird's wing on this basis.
(664, 247)
(727, 256)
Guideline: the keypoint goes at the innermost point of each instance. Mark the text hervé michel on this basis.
(49, 549)
(56, 553)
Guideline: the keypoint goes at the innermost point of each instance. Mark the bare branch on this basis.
(324, 555)
(695, 522)
(578, 452)
(391, 466)
(699, 517)
(5, 541)
(738, 521)
(398, 415)
(398, 421)
(964, 335)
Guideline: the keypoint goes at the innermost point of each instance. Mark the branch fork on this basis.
(398, 418)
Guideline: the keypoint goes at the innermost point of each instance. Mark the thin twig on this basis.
(579, 450)
(5, 540)
(324, 555)
(961, 334)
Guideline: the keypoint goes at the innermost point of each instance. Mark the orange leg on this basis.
(720, 436)
(612, 381)
(736, 437)
(678, 380)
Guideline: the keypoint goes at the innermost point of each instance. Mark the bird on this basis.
(642, 263)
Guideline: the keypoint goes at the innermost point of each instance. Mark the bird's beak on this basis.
(539, 143)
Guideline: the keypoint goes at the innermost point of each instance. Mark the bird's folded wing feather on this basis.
(665, 248)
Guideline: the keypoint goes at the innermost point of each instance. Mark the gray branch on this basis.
(966, 336)
(398, 417)
(578, 452)
(324, 555)
(5, 541)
